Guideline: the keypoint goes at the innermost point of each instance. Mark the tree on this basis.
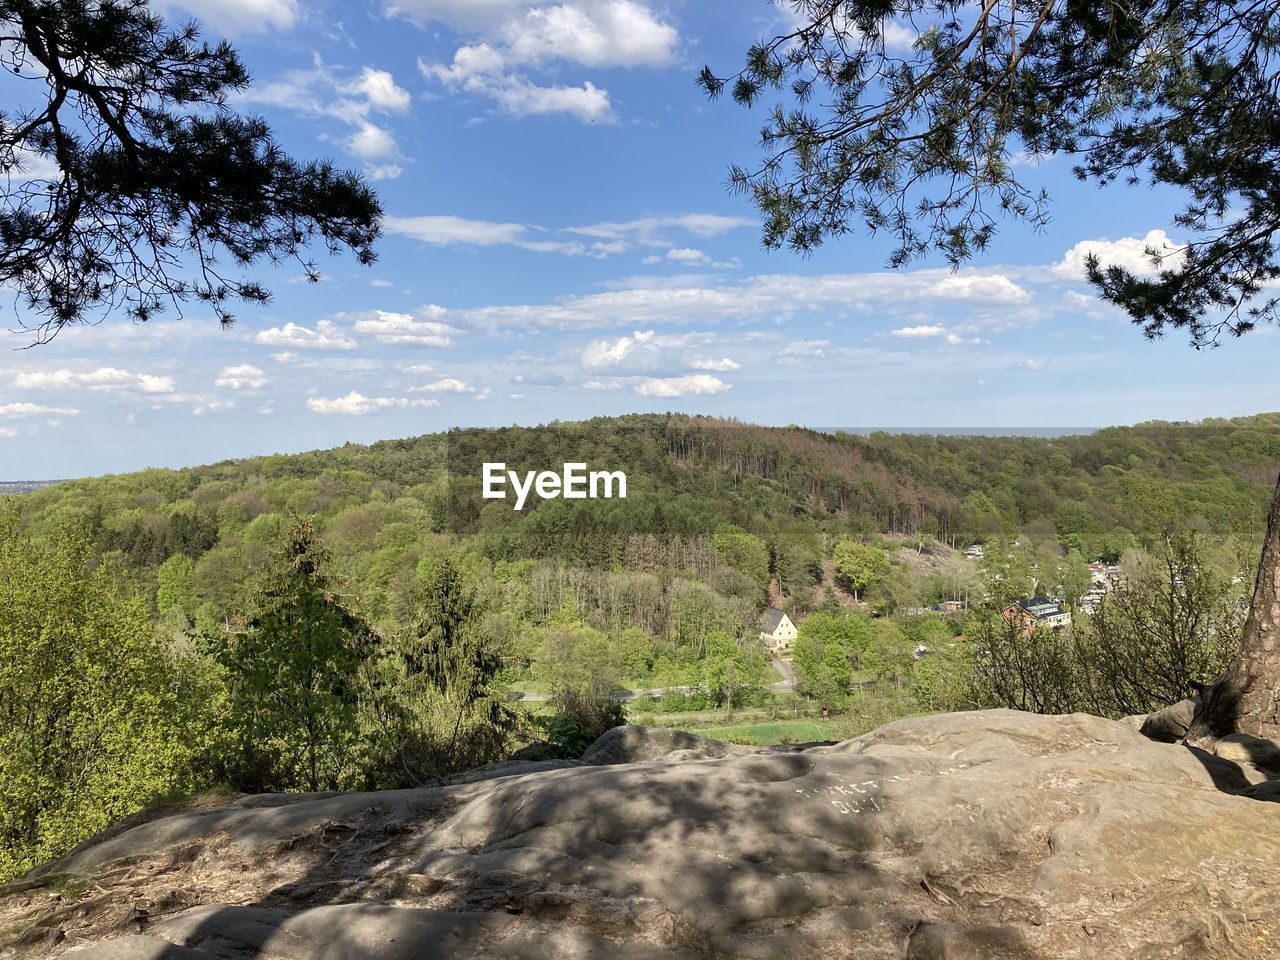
(294, 671)
(1173, 94)
(99, 719)
(860, 566)
(1172, 627)
(445, 711)
(139, 180)
(1180, 95)
(1074, 577)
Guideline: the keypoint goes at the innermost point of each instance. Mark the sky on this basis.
(560, 244)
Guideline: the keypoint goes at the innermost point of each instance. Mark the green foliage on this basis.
(859, 566)
(922, 143)
(1175, 625)
(294, 674)
(135, 117)
(436, 705)
(742, 551)
(100, 719)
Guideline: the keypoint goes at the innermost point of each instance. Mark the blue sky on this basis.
(560, 244)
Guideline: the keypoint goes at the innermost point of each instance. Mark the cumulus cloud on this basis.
(325, 336)
(647, 351)
(103, 378)
(723, 365)
(237, 16)
(988, 287)
(426, 329)
(610, 353)
(1134, 254)
(321, 92)
(445, 385)
(245, 376)
(356, 404)
(694, 384)
(8, 433)
(924, 330)
(518, 40)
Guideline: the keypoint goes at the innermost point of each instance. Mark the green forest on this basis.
(361, 617)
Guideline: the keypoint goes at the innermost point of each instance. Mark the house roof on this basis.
(1041, 606)
(772, 617)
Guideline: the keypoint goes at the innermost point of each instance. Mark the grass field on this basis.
(771, 731)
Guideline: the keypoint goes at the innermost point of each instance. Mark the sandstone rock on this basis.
(1266, 790)
(638, 744)
(1134, 722)
(1243, 748)
(538, 750)
(1170, 725)
(995, 835)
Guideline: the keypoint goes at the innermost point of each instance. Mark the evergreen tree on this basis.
(294, 671)
(153, 175)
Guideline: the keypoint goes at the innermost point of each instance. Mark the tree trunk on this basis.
(1246, 698)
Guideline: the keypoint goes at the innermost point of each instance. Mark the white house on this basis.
(777, 632)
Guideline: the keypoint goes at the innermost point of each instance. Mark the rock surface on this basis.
(976, 836)
(1170, 724)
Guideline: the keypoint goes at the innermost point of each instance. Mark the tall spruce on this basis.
(294, 672)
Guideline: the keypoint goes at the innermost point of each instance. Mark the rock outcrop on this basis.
(976, 836)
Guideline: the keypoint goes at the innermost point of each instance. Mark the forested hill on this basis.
(378, 505)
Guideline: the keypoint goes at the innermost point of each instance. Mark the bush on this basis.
(579, 722)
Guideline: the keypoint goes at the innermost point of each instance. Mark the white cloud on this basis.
(1128, 252)
(588, 103)
(697, 383)
(602, 385)
(989, 287)
(445, 385)
(356, 404)
(8, 432)
(516, 39)
(928, 330)
(320, 92)
(242, 377)
(29, 165)
(371, 142)
(723, 365)
(103, 378)
(238, 16)
(619, 33)
(326, 336)
(653, 231)
(380, 90)
(771, 296)
(686, 255)
(427, 329)
(610, 353)
(22, 408)
(443, 230)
